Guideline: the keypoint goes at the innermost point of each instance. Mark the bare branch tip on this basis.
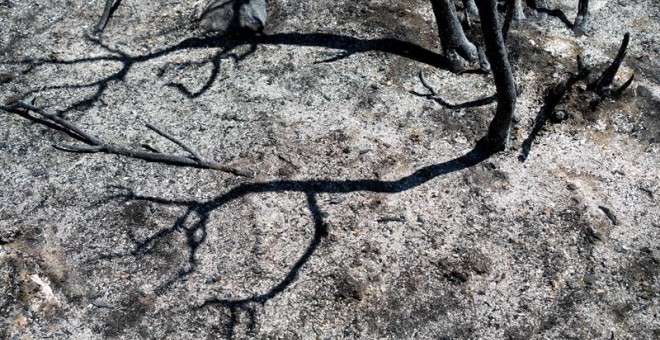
(426, 83)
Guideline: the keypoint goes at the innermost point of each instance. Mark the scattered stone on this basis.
(233, 16)
(337, 200)
(620, 249)
(590, 279)
(558, 116)
(100, 303)
(399, 218)
(349, 287)
(490, 166)
(46, 290)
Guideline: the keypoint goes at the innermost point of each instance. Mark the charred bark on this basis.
(603, 83)
(471, 7)
(581, 23)
(517, 8)
(452, 37)
(498, 131)
(107, 11)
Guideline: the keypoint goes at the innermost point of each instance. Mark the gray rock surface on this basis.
(227, 16)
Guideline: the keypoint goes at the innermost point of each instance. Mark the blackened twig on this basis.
(106, 15)
(57, 120)
(619, 91)
(605, 80)
(551, 100)
(176, 141)
(608, 212)
(434, 95)
(426, 84)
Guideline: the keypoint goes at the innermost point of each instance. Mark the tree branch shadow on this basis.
(193, 223)
(539, 122)
(349, 45)
(469, 104)
(557, 13)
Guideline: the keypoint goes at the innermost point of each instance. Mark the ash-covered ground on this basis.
(368, 216)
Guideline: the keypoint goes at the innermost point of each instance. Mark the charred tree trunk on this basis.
(471, 7)
(582, 20)
(514, 13)
(451, 33)
(498, 131)
(517, 8)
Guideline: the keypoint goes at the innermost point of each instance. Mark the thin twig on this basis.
(176, 141)
(605, 80)
(551, 100)
(426, 84)
(106, 15)
(619, 91)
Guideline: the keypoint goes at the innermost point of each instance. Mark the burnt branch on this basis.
(516, 8)
(602, 84)
(110, 6)
(550, 102)
(174, 140)
(508, 17)
(96, 145)
(514, 13)
(535, 5)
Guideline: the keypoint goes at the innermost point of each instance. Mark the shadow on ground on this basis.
(226, 46)
(193, 223)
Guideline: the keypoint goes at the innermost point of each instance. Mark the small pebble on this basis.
(100, 303)
(590, 279)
